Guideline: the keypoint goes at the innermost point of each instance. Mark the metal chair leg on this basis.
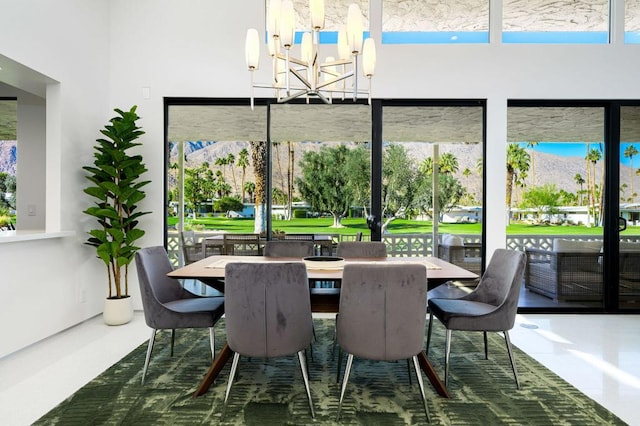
(409, 371)
(486, 346)
(347, 371)
(511, 358)
(232, 374)
(446, 357)
(173, 339)
(305, 377)
(426, 351)
(339, 366)
(212, 342)
(149, 350)
(416, 366)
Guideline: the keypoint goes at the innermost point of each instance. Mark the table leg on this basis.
(432, 375)
(216, 366)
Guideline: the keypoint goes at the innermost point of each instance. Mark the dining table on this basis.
(211, 271)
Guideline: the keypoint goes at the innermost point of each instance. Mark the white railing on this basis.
(406, 245)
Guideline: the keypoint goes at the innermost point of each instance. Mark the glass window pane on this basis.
(335, 18)
(629, 249)
(321, 172)
(8, 168)
(555, 204)
(550, 21)
(415, 140)
(632, 21)
(211, 172)
(434, 21)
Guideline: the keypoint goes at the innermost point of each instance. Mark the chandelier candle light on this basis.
(312, 78)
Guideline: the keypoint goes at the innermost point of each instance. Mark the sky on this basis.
(579, 149)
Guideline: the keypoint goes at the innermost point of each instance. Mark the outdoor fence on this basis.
(407, 245)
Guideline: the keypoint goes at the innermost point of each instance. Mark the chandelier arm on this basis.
(335, 80)
(295, 95)
(300, 77)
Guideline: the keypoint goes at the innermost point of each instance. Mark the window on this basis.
(8, 161)
(435, 21)
(549, 21)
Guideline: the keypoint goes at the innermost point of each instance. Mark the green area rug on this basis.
(271, 392)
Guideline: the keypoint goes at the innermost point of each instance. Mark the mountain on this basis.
(8, 158)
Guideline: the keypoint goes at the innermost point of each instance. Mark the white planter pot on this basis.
(117, 311)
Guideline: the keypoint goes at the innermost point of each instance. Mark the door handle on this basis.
(622, 224)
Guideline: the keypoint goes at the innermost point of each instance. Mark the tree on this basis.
(358, 172)
(198, 186)
(517, 168)
(544, 199)
(250, 189)
(450, 192)
(325, 182)
(243, 163)
(226, 204)
(399, 183)
(629, 153)
(231, 161)
(580, 181)
(222, 162)
(532, 145)
(593, 156)
(448, 164)
(259, 160)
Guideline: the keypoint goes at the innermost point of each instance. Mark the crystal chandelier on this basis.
(306, 76)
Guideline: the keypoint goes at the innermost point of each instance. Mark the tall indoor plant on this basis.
(115, 188)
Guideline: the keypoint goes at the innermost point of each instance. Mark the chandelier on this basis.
(305, 75)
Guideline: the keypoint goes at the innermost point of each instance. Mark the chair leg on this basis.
(232, 374)
(347, 371)
(149, 350)
(426, 351)
(446, 357)
(339, 366)
(416, 366)
(486, 346)
(173, 339)
(305, 377)
(511, 358)
(212, 342)
(409, 371)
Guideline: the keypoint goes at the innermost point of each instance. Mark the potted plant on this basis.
(115, 188)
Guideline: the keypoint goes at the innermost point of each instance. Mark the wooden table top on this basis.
(213, 267)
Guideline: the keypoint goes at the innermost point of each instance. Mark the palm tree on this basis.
(593, 156)
(231, 161)
(580, 181)
(448, 164)
(259, 160)
(243, 162)
(221, 162)
(290, 176)
(533, 164)
(517, 168)
(629, 153)
(426, 167)
(250, 189)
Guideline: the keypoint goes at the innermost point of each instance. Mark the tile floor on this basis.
(599, 354)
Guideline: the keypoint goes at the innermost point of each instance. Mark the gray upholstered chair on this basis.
(361, 249)
(268, 313)
(192, 250)
(292, 248)
(383, 309)
(167, 305)
(242, 244)
(492, 306)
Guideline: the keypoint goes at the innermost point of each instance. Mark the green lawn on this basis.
(398, 226)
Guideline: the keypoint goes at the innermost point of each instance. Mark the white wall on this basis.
(44, 282)
(106, 54)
